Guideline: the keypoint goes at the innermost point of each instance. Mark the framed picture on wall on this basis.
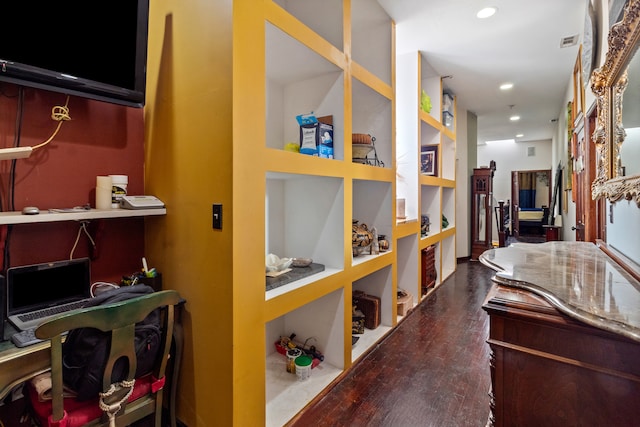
(429, 160)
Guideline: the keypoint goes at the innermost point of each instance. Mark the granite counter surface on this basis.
(577, 278)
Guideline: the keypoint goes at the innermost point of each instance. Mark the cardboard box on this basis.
(405, 303)
(325, 143)
(316, 139)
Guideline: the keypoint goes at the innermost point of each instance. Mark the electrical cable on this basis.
(59, 113)
(16, 143)
(97, 285)
(9, 200)
(83, 227)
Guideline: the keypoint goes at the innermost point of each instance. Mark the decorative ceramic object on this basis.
(424, 225)
(301, 262)
(361, 138)
(361, 238)
(375, 247)
(275, 263)
(360, 151)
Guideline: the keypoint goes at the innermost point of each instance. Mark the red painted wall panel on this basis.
(100, 139)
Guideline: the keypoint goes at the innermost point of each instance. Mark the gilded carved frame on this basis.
(608, 84)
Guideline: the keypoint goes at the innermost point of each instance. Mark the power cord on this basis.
(83, 227)
(59, 113)
(98, 287)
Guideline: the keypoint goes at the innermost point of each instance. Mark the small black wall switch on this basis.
(217, 216)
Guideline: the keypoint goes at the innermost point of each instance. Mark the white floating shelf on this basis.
(17, 217)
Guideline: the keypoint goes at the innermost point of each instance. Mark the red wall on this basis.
(100, 139)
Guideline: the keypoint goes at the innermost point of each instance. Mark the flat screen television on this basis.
(92, 49)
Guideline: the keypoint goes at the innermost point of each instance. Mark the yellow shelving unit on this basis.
(432, 195)
(257, 65)
(333, 59)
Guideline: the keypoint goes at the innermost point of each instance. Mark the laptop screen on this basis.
(37, 286)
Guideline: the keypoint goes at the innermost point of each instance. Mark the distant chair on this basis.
(119, 320)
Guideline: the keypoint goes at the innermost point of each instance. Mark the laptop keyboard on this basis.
(46, 312)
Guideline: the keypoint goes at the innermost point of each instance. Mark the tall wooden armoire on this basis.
(481, 209)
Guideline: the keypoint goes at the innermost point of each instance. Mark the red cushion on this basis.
(80, 413)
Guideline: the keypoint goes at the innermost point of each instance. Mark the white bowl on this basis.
(360, 151)
(301, 262)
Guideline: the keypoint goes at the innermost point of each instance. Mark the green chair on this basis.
(125, 405)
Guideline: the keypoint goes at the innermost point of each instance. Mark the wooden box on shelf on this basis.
(429, 273)
(370, 307)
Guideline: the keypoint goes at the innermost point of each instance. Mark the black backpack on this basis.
(85, 350)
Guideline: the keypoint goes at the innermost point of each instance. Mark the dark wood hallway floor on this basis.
(431, 370)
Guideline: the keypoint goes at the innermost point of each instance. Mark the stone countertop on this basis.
(577, 278)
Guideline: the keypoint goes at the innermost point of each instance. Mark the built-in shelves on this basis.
(372, 115)
(428, 192)
(58, 215)
(378, 283)
(300, 81)
(317, 323)
(316, 61)
(371, 39)
(408, 264)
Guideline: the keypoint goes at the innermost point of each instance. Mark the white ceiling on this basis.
(519, 44)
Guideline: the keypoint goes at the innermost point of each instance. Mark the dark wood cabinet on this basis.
(481, 210)
(548, 369)
(551, 232)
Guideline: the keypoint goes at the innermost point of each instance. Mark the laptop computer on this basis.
(41, 291)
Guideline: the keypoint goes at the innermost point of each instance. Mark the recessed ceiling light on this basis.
(514, 118)
(506, 86)
(520, 135)
(486, 12)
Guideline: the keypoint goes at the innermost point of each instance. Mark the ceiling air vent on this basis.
(569, 41)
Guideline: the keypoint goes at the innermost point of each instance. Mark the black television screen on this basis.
(93, 49)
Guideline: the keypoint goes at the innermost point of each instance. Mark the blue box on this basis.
(316, 139)
(325, 145)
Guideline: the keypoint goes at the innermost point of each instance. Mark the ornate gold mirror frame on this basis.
(608, 84)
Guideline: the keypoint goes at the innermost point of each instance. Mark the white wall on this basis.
(512, 156)
(465, 130)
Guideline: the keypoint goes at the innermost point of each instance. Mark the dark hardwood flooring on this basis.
(431, 370)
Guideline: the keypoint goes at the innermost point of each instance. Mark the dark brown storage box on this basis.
(369, 305)
(429, 273)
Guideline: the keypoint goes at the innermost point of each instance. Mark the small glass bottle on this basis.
(383, 243)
